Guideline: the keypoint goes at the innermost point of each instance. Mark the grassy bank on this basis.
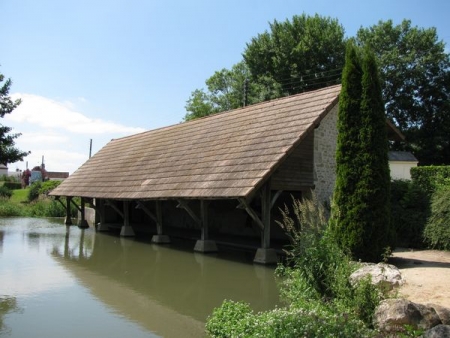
(18, 205)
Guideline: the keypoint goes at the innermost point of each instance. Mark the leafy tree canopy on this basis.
(303, 54)
(8, 153)
(415, 77)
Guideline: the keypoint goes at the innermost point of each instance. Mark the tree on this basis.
(303, 54)
(8, 153)
(415, 76)
(228, 89)
(360, 215)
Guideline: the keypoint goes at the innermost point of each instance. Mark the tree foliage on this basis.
(8, 153)
(303, 54)
(361, 199)
(414, 71)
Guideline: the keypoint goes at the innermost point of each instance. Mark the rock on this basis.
(393, 314)
(439, 331)
(443, 313)
(386, 276)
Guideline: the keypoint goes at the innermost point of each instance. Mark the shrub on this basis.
(437, 229)
(5, 192)
(410, 208)
(430, 178)
(235, 319)
(9, 209)
(47, 186)
(12, 185)
(45, 208)
(321, 302)
(33, 192)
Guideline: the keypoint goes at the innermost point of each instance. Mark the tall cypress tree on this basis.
(373, 187)
(345, 230)
(360, 215)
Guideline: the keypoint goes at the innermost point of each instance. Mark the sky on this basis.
(98, 70)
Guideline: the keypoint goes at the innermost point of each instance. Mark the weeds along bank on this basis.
(315, 285)
(31, 201)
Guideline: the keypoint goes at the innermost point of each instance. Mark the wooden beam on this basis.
(182, 204)
(141, 205)
(115, 208)
(275, 197)
(265, 215)
(243, 204)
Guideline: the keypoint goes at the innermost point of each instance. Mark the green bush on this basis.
(9, 209)
(5, 192)
(437, 229)
(45, 208)
(236, 319)
(12, 185)
(410, 208)
(430, 178)
(33, 192)
(321, 302)
(47, 186)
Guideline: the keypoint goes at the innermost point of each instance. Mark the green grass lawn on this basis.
(19, 195)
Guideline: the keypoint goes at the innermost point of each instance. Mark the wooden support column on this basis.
(68, 219)
(159, 238)
(204, 244)
(265, 255)
(82, 223)
(100, 210)
(126, 230)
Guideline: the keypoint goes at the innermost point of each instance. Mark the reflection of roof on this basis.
(402, 156)
(225, 155)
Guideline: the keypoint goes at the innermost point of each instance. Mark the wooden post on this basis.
(204, 219)
(126, 230)
(100, 211)
(265, 215)
(68, 220)
(159, 238)
(204, 244)
(265, 255)
(83, 224)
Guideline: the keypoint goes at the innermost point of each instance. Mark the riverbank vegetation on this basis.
(32, 201)
(315, 285)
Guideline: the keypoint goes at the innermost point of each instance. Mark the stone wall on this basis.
(325, 141)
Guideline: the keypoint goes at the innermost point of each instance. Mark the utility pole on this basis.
(245, 103)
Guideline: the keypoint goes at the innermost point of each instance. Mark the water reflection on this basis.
(168, 291)
(7, 305)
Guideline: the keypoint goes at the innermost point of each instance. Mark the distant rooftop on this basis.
(404, 156)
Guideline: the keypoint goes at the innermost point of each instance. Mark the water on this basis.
(58, 281)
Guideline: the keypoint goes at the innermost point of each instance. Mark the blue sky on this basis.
(99, 70)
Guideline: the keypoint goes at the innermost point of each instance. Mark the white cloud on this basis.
(55, 130)
(47, 113)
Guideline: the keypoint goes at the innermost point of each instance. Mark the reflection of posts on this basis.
(66, 243)
(83, 224)
(68, 219)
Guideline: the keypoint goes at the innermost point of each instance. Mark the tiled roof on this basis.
(403, 156)
(224, 155)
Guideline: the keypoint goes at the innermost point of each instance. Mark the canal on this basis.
(60, 281)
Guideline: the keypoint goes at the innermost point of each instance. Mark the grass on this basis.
(18, 205)
(20, 196)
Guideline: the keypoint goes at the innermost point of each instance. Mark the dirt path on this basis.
(427, 275)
